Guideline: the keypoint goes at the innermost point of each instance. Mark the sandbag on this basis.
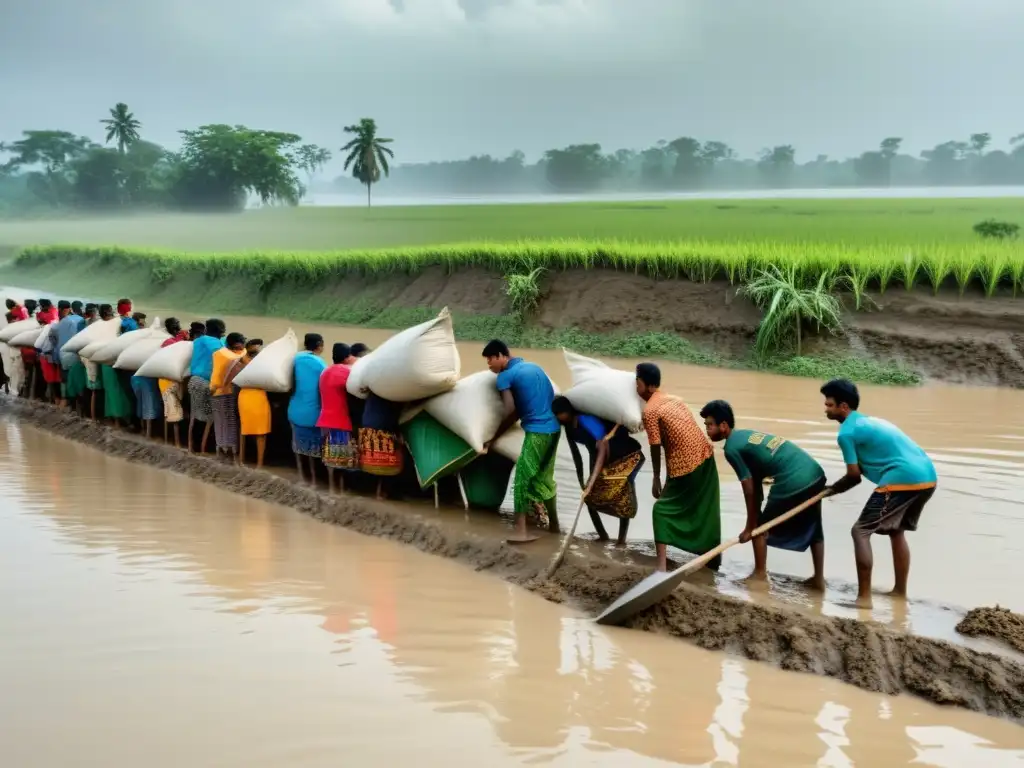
(44, 343)
(472, 409)
(273, 369)
(510, 444)
(417, 363)
(605, 392)
(29, 337)
(110, 351)
(19, 326)
(89, 350)
(436, 450)
(138, 353)
(101, 330)
(485, 480)
(171, 362)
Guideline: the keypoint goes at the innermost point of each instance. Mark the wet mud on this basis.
(870, 656)
(998, 623)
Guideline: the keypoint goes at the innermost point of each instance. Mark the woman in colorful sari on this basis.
(117, 400)
(225, 402)
(171, 391)
(381, 448)
(304, 405)
(615, 461)
(254, 414)
(340, 450)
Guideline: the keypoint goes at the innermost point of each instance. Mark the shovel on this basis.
(658, 586)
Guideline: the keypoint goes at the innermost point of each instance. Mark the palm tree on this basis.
(122, 127)
(367, 155)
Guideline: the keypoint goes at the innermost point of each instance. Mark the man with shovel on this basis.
(757, 456)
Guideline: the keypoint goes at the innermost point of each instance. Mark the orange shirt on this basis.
(669, 423)
(222, 360)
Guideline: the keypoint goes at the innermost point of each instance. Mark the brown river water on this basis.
(150, 619)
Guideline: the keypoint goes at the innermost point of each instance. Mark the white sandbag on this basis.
(89, 350)
(273, 369)
(18, 326)
(510, 444)
(605, 392)
(101, 330)
(138, 353)
(28, 337)
(110, 351)
(417, 363)
(472, 409)
(43, 341)
(171, 362)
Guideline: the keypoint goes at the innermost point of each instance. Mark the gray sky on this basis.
(450, 78)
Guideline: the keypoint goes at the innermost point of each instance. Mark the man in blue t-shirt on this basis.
(904, 475)
(527, 393)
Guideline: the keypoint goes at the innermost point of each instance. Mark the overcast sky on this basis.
(450, 78)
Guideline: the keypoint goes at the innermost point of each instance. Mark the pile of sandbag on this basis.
(605, 392)
(111, 350)
(17, 328)
(99, 333)
(472, 409)
(417, 363)
(273, 369)
(30, 337)
(135, 356)
(171, 362)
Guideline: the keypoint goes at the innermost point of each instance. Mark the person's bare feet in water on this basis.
(519, 534)
(815, 583)
(756, 577)
(864, 602)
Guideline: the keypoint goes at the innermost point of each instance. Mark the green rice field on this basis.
(781, 223)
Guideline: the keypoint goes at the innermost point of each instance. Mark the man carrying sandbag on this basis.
(527, 394)
(687, 512)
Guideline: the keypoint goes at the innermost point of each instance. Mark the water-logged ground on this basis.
(154, 620)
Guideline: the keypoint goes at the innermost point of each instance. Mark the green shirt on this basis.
(758, 455)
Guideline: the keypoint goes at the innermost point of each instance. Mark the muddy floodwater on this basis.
(150, 619)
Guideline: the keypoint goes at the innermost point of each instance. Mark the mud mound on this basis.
(999, 623)
(867, 655)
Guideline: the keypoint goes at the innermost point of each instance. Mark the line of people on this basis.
(687, 509)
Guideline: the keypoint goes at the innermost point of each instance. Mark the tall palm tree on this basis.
(367, 154)
(122, 127)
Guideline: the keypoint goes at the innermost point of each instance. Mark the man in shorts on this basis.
(904, 475)
(797, 478)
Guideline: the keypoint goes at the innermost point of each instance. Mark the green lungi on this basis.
(76, 380)
(116, 404)
(688, 514)
(535, 473)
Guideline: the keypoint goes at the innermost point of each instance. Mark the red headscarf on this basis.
(124, 307)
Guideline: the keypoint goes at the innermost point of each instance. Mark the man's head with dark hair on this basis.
(11, 303)
(63, 308)
(45, 305)
(342, 353)
(497, 354)
(9, 317)
(76, 307)
(841, 399)
(719, 421)
(253, 347)
(648, 380)
(91, 310)
(235, 341)
(216, 328)
(313, 342)
(31, 305)
(172, 325)
(140, 318)
(106, 312)
(563, 409)
(360, 350)
(196, 329)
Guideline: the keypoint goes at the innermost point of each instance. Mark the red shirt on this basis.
(45, 318)
(179, 336)
(19, 313)
(334, 398)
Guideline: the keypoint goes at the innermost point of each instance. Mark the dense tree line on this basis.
(217, 168)
(690, 165)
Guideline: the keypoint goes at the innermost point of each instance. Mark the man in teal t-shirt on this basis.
(904, 475)
(757, 456)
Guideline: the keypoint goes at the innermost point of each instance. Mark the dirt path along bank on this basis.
(863, 654)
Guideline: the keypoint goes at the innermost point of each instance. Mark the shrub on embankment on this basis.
(989, 265)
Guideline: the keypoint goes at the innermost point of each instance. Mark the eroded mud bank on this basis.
(866, 655)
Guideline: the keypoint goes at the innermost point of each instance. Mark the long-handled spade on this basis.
(658, 586)
(557, 561)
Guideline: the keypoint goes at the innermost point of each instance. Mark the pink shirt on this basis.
(19, 313)
(334, 399)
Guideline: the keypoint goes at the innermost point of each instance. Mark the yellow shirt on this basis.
(222, 360)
